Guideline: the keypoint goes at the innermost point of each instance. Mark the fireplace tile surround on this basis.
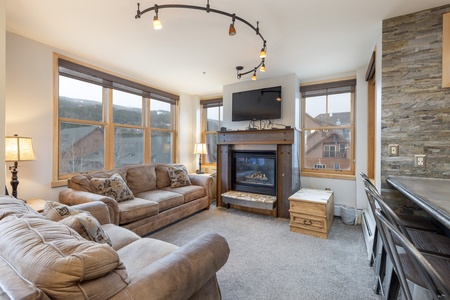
(284, 143)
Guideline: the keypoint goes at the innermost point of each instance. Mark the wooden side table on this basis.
(37, 204)
(312, 212)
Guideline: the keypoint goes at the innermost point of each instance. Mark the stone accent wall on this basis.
(415, 109)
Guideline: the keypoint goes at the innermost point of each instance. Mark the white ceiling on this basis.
(193, 52)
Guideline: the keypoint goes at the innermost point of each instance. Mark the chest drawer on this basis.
(316, 209)
(308, 222)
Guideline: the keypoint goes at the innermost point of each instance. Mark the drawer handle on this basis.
(307, 222)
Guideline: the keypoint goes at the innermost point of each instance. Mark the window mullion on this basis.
(109, 128)
(147, 130)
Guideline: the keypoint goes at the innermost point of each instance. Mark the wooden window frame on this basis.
(109, 82)
(317, 89)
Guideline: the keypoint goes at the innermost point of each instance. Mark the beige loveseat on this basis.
(44, 259)
(158, 196)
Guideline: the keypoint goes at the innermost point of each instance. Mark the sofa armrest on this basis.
(205, 181)
(72, 197)
(97, 209)
(180, 274)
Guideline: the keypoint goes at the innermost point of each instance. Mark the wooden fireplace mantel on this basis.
(286, 141)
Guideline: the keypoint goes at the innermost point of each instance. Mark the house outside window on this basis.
(212, 116)
(328, 128)
(105, 122)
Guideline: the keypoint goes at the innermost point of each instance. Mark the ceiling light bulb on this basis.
(156, 23)
(262, 54)
(279, 98)
(254, 75)
(262, 68)
(232, 30)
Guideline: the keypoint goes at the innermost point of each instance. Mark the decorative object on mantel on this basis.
(231, 31)
(17, 148)
(200, 149)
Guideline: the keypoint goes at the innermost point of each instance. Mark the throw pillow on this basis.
(80, 221)
(114, 187)
(56, 211)
(178, 176)
(88, 227)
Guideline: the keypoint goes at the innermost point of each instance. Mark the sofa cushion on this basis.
(80, 182)
(120, 236)
(136, 209)
(162, 176)
(190, 192)
(178, 176)
(114, 187)
(164, 199)
(12, 206)
(59, 261)
(141, 178)
(154, 250)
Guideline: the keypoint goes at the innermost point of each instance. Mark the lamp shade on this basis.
(18, 148)
(200, 148)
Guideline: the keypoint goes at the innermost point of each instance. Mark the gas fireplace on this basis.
(254, 172)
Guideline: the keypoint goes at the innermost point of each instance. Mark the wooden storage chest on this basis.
(311, 212)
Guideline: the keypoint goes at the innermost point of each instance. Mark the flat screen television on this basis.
(260, 104)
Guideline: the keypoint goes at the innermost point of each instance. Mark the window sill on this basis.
(328, 175)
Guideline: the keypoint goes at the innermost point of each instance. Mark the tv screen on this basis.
(261, 104)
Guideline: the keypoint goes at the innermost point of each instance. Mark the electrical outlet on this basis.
(420, 160)
(393, 150)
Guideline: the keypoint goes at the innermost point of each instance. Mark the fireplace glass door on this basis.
(254, 172)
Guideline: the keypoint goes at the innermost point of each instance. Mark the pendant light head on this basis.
(254, 75)
(156, 23)
(263, 66)
(262, 54)
(232, 30)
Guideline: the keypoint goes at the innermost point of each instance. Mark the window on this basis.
(328, 128)
(212, 116)
(104, 121)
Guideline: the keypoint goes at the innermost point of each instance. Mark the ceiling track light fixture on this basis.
(232, 30)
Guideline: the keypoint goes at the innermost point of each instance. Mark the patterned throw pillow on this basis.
(178, 176)
(88, 227)
(80, 221)
(56, 211)
(114, 187)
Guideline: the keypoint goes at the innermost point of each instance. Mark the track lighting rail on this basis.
(232, 31)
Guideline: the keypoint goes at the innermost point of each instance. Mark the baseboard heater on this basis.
(368, 227)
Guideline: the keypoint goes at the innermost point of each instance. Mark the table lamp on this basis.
(17, 148)
(200, 149)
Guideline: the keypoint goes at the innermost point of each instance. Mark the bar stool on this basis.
(424, 241)
(430, 272)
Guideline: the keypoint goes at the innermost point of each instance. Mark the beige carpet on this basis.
(267, 261)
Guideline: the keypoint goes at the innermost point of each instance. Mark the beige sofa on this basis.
(156, 201)
(44, 259)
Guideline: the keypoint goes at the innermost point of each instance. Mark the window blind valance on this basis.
(212, 102)
(84, 73)
(329, 88)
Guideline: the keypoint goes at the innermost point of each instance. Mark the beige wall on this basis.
(29, 108)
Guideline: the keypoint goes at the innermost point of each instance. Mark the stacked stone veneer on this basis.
(415, 107)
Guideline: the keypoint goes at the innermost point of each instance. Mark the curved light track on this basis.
(208, 9)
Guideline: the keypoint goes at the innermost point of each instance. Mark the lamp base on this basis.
(200, 172)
